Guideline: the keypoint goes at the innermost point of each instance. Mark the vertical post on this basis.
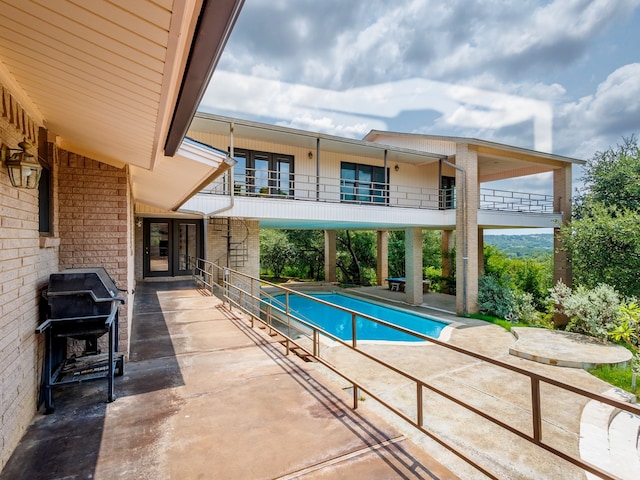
(355, 396)
(535, 409)
(317, 169)
(354, 340)
(226, 286)
(420, 419)
(315, 342)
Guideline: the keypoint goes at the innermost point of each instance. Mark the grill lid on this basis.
(93, 281)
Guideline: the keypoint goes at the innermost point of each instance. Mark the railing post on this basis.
(353, 330)
(535, 409)
(355, 396)
(419, 404)
(315, 343)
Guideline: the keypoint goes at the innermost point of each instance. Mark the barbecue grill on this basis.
(82, 305)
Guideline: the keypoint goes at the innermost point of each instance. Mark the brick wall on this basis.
(95, 223)
(24, 269)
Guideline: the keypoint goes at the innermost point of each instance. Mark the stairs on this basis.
(231, 230)
(610, 438)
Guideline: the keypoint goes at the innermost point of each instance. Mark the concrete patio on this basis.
(204, 396)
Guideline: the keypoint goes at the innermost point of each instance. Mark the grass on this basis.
(617, 376)
(506, 324)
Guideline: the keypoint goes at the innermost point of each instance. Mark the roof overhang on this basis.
(116, 81)
(496, 161)
(217, 124)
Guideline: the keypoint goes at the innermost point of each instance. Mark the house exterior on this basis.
(104, 94)
(287, 178)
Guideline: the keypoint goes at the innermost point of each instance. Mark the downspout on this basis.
(231, 175)
(464, 232)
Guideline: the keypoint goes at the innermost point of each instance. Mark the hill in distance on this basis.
(519, 246)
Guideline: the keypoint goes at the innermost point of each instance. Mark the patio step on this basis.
(609, 438)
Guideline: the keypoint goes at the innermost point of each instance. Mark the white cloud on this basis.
(598, 121)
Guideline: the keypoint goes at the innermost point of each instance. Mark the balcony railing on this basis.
(305, 187)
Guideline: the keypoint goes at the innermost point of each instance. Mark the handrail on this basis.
(246, 300)
(306, 187)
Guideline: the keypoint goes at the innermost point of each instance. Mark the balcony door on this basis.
(168, 244)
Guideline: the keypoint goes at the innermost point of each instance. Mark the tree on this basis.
(275, 251)
(603, 239)
(309, 259)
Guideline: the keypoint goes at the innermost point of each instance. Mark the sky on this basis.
(559, 76)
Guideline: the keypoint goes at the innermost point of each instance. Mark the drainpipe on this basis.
(465, 257)
(232, 161)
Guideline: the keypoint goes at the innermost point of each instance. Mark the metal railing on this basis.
(247, 294)
(304, 187)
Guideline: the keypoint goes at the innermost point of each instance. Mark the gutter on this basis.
(231, 161)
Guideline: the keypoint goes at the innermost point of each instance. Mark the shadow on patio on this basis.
(205, 396)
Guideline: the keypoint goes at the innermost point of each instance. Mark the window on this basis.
(363, 183)
(447, 193)
(262, 173)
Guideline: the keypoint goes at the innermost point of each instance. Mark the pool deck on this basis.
(206, 396)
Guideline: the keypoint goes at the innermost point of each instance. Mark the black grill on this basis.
(82, 305)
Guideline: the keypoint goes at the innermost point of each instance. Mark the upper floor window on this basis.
(363, 183)
(262, 173)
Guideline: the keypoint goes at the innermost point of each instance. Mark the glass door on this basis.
(168, 244)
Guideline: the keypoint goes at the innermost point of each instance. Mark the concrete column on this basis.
(382, 270)
(480, 252)
(467, 203)
(561, 203)
(413, 265)
(330, 255)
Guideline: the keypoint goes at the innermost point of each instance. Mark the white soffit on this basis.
(102, 75)
(174, 178)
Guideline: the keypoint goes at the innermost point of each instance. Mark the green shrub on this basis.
(494, 298)
(591, 312)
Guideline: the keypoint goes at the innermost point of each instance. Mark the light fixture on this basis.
(23, 169)
(138, 222)
(310, 154)
(396, 168)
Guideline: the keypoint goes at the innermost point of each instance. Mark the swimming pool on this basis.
(338, 322)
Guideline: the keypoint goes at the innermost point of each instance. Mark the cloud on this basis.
(603, 118)
(338, 45)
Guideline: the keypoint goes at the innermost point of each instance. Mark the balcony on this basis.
(310, 188)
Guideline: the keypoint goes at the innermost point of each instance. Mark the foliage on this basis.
(621, 377)
(522, 246)
(495, 298)
(356, 255)
(275, 251)
(605, 247)
(431, 251)
(309, 257)
(592, 312)
(522, 275)
(603, 240)
(612, 179)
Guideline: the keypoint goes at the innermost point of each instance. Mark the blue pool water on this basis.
(338, 322)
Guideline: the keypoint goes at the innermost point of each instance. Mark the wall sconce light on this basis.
(396, 168)
(23, 169)
(138, 222)
(310, 154)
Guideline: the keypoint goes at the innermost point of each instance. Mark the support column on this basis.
(382, 270)
(467, 198)
(561, 203)
(330, 256)
(413, 265)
